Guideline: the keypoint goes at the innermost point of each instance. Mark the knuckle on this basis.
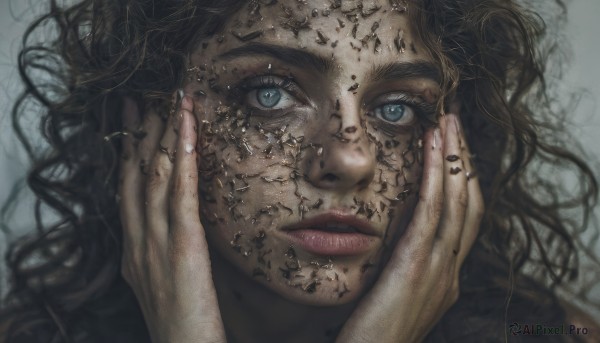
(157, 176)
(462, 198)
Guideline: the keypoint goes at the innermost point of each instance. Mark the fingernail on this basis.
(189, 148)
(436, 137)
(186, 103)
(179, 94)
(456, 123)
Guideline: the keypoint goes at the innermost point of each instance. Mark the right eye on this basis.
(395, 113)
(268, 93)
(268, 97)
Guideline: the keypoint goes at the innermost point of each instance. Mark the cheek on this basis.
(246, 171)
(397, 180)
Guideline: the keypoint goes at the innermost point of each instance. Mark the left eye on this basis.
(269, 98)
(395, 113)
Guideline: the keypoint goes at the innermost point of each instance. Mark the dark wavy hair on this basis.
(65, 282)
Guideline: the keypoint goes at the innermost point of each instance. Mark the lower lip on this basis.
(332, 243)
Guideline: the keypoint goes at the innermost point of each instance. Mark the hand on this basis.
(165, 253)
(421, 280)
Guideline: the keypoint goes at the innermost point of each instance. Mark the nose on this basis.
(345, 158)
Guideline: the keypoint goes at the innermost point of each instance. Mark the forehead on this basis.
(351, 34)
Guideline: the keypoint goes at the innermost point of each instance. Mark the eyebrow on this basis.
(405, 70)
(304, 59)
(288, 55)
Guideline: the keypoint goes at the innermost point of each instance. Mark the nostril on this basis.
(329, 177)
(364, 183)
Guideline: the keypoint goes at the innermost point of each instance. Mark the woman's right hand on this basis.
(165, 253)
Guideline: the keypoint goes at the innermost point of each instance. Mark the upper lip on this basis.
(336, 221)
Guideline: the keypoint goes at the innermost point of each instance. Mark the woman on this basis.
(293, 171)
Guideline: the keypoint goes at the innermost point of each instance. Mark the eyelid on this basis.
(422, 109)
(270, 80)
(248, 88)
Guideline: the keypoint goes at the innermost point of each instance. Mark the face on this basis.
(311, 119)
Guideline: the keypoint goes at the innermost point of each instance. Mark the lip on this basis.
(334, 233)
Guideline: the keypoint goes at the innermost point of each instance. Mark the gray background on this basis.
(582, 76)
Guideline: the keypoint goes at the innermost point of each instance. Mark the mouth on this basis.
(334, 233)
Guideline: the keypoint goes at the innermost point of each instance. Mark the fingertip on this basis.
(437, 138)
(187, 103)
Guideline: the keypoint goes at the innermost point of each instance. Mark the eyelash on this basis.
(421, 109)
(267, 81)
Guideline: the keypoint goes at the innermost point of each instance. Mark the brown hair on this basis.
(106, 50)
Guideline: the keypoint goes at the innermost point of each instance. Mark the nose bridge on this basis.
(345, 158)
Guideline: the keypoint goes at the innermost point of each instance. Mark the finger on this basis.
(184, 204)
(159, 179)
(476, 207)
(422, 227)
(456, 197)
(131, 198)
(185, 215)
(153, 127)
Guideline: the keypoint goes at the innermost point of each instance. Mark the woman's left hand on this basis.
(421, 280)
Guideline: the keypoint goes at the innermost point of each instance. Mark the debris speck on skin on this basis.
(452, 158)
(311, 287)
(375, 26)
(258, 240)
(355, 48)
(455, 170)
(342, 292)
(354, 29)
(353, 87)
(292, 23)
(400, 6)
(248, 36)
(399, 42)
(377, 48)
(315, 13)
(317, 204)
(321, 38)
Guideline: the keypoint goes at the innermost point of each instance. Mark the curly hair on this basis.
(65, 279)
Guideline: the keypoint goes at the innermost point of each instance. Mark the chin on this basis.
(331, 291)
(297, 275)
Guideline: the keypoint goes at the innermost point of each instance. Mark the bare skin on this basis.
(189, 294)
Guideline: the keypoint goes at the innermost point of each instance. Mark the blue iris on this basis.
(268, 97)
(392, 112)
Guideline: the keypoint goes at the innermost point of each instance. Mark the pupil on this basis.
(268, 97)
(393, 112)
